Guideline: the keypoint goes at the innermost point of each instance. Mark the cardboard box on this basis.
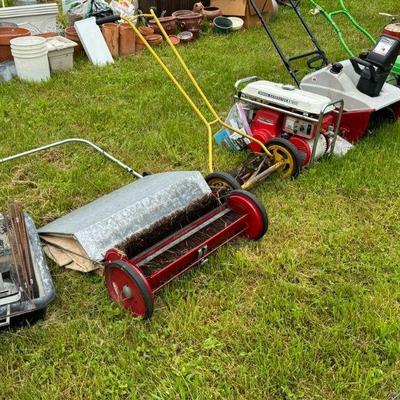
(243, 9)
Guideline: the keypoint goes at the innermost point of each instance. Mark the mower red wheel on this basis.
(128, 287)
(247, 203)
(283, 150)
(222, 182)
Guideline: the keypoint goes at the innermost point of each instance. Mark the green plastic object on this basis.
(343, 11)
(329, 15)
(396, 67)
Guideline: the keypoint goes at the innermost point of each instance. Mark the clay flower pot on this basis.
(47, 34)
(190, 21)
(174, 40)
(179, 13)
(127, 40)
(146, 30)
(111, 35)
(6, 34)
(70, 33)
(211, 12)
(195, 33)
(154, 40)
(168, 23)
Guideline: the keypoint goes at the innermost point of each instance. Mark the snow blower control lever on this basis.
(375, 68)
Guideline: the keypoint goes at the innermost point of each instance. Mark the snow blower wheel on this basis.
(284, 150)
(128, 287)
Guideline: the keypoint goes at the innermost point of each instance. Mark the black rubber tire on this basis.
(378, 118)
(226, 177)
(144, 290)
(291, 148)
(257, 202)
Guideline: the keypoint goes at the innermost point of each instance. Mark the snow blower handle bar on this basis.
(356, 62)
(74, 140)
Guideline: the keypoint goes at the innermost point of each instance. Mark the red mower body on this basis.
(133, 281)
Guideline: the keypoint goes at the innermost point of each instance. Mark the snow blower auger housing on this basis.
(280, 157)
(151, 231)
(360, 83)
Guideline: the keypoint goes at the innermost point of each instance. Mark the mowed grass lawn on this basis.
(310, 312)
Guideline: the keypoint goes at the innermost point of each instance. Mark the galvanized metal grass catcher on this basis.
(151, 231)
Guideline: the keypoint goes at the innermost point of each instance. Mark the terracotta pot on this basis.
(174, 39)
(47, 34)
(211, 12)
(139, 46)
(70, 33)
(154, 40)
(168, 23)
(127, 39)
(111, 35)
(6, 34)
(393, 30)
(179, 13)
(190, 21)
(195, 33)
(146, 30)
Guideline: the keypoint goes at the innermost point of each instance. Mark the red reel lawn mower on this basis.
(139, 269)
(149, 232)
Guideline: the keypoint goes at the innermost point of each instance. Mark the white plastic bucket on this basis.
(30, 56)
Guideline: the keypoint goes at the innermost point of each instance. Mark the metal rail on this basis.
(73, 140)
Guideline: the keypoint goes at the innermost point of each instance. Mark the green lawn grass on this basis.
(310, 312)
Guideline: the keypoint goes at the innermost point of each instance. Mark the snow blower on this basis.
(278, 156)
(393, 29)
(150, 232)
(360, 83)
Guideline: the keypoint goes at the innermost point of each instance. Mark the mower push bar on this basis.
(318, 53)
(74, 140)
